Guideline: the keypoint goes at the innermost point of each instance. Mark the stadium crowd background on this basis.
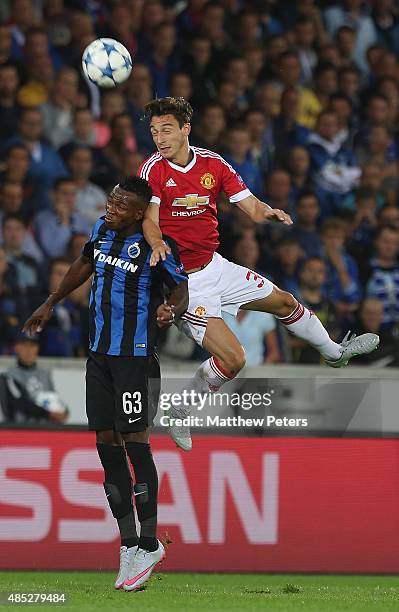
(301, 98)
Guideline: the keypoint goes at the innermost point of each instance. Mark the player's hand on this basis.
(38, 320)
(275, 214)
(165, 315)
(159, 252)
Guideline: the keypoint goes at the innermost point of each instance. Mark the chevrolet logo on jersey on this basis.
(191, 200)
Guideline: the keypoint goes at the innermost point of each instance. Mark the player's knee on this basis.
(235, 360)
(109, 436)
(137, 436)
(288, 304)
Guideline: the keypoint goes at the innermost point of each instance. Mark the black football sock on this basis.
(146, 492)
(118, 489)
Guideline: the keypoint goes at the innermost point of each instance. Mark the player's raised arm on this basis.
(153, 235)
(175, 278)
(260, 211)
(79, 272)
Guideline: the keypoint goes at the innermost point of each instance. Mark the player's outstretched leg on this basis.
(228, 358)
(118, 488)
(150, 550)
(304, 324)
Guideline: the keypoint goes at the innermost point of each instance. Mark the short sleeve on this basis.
(150, 171)
(88, 249)
(232, 183)
(172, 270)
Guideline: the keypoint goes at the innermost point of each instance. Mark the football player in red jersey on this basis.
(185, 181)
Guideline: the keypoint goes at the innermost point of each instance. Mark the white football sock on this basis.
(213, 374)
(306, 325)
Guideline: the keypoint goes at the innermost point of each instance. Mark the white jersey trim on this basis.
(187, 168)
(241, 195)
(151, 161)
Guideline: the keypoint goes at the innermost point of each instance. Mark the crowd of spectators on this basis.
(301, 98)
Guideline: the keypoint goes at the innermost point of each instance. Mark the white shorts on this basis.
(221, 286)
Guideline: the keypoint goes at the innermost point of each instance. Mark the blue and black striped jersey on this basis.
(126, 291)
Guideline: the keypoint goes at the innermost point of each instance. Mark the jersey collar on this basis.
(187, 168)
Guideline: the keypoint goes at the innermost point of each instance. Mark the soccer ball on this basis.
(106, 62)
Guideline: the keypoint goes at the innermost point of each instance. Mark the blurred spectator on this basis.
(112, 104)
(288, 255)
(383, 274)
(33, 396)
(371, 181)
(246, 252)
(237, 74)
(5, 44)
(342, 271)
(181, 86)
(386, 22)
(238, 155)
(305, 36)
(90, 199)
(325, 83)
(139, 93)
(66, 334)
(256, 332)
(341, 105)
(307, 211)
(46, 165)
(58, 111)
(378, 150)
(287, 131)
(16, 170)
(163, 59)
(279, 190)
(388, 215)
(40, 75)
(54, 227)
(334, 169)
(208, 132)
(289, 76)
(198, 64)
(11, 202)
(26, 286)
(298, 166)
(121, 143)
(9, 108)
(370, 320)
(349, 83)
(345, 38)
(22, 18)
(352, 15)
(260, 133)
(75, 246)
(312, 279)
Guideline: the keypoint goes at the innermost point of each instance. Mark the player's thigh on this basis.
(130, 377)
(220, 341)
(241, 285)
(279, 303)
(99, 394)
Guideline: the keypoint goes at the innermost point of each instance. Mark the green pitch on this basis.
(188, 592)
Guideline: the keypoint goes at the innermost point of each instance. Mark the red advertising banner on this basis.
(232, 504)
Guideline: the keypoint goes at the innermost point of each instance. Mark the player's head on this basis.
(126, 203)
(170, 124)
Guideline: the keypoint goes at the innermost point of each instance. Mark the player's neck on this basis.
(134, 228)
(183, 157)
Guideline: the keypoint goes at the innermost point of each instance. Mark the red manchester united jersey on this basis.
(187, 199)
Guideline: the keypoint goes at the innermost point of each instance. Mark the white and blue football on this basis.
(106, 62)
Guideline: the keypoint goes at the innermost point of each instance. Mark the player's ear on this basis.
(186, 129)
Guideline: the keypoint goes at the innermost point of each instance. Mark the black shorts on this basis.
(122, 393)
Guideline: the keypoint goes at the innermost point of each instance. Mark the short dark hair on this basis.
(13, 217)
(138, 186)
(61, 181)
(178, 107)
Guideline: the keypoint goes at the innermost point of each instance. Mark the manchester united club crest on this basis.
(207, 180)
(200, 311)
